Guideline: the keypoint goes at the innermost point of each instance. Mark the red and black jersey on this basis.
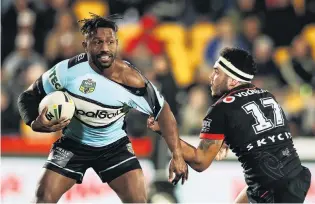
(253, 124)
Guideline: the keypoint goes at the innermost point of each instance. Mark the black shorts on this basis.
(71, 159)
(291, 191)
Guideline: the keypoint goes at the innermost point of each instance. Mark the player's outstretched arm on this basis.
(168, 128)
(161, 111)
(200, 159)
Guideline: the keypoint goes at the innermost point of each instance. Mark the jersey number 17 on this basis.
(262, 123)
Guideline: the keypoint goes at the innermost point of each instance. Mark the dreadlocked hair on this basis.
(96, 21)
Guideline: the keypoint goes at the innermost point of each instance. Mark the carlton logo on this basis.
(229, 99)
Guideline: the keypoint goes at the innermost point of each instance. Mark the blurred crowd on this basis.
(175, 44)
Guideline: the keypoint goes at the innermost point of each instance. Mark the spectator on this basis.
(308, 124)
(165, 80)
(10, 21)
(309, 15)
(302, 62)
(25, 21)
(24, 77)
(251, 29)
(140, 49)
(45, 21)
(10, 117)
(21, 57)
(300, 69)
(227, 37)
(64, 41)
(194, 111)
(267, 68)
(281, 22)
(247, 7)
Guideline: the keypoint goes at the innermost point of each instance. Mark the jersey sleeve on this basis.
(213, 124)
(55, 78)
(151, 102)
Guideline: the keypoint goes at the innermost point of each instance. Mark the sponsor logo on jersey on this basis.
(229, 99)
(101, 114)
(97, 115)
(206, 124)
(60, 156)
(286, 152)
(250, 92)
(87, 86)
(269, 140)
(53, 79)
(80, 57)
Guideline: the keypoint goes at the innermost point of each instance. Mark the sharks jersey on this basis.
(101, 104)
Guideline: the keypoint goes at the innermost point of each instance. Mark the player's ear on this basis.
(235, 82)
(232, 82)
(84, 45)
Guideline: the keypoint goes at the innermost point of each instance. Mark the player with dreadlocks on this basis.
(103, 88)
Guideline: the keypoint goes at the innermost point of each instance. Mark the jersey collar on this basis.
(238, 88)
(243, 86)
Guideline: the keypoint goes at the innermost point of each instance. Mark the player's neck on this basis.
(108, 72)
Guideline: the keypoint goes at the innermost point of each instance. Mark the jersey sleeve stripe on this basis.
(152, 99)
(211, 136)
(39, 87)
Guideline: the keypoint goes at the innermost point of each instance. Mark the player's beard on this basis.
(103, 65)
(218, 90)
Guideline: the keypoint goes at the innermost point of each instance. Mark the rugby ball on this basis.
(59, 105)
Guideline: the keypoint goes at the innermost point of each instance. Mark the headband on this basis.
(233, 72)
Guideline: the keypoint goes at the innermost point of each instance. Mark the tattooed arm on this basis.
(200, 159)
(212, 136)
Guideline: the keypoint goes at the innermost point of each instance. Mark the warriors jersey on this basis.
(253, 124)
